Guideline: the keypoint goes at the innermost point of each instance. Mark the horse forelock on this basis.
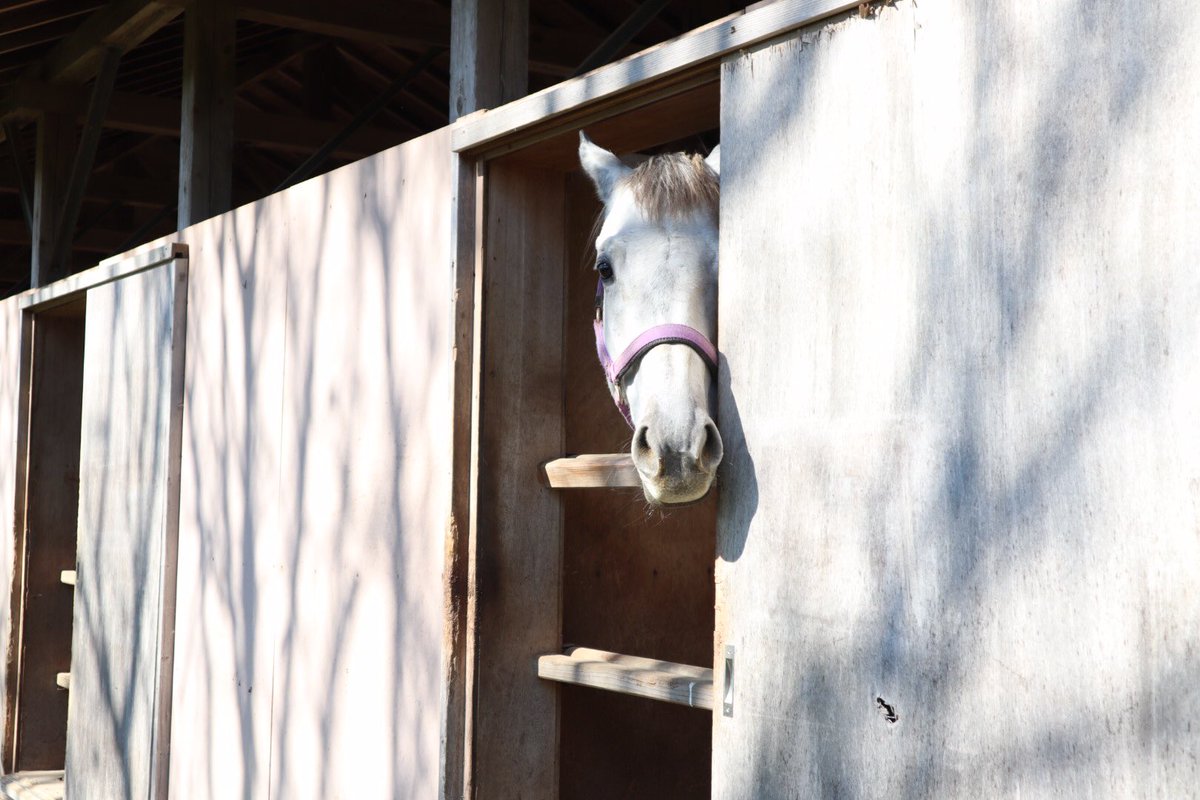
(673, 185)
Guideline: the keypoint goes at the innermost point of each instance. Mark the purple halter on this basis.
(647, 340)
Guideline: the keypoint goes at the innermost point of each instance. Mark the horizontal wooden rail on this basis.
(644, 677)
(40, 785)
(68, 577)
(63, 679)
(607, 471)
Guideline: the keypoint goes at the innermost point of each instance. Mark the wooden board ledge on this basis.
(601, 471)
(644, 677)
(47, 785)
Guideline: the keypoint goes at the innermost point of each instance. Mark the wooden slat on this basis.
(610, 470)
(32, 785)
(67, 576)
(63, 680)
(699, 49)
(682, 684)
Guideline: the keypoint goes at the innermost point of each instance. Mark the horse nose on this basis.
(658, 455)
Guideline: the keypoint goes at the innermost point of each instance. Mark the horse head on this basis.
(656, 298)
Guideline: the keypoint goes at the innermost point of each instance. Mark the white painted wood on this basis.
(124, 592)
(106, 271)
(642, 677)
(959, 315)
(68, 577)
(63, 680)
(315, 487)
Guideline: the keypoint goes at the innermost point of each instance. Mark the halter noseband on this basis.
(646, 341)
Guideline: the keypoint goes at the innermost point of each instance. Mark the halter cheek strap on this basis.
(652, 337)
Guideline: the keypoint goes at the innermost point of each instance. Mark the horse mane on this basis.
(675, 184)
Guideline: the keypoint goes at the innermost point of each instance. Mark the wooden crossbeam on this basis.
(681, 684)
(95, 240)
(161, 116)
(105, 186)
(85, 156)
(119, 24)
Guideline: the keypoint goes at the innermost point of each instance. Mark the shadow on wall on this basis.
(999, 479)
(316, 483)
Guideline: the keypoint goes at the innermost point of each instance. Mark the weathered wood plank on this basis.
(615, 470)
(959, 502)
(46, 536)
(681, 684)
(52, 175)
(489, 54)
(648, 69)
(517, 532)
(32, 785)
(124, 595)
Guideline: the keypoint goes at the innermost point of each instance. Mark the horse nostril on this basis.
(711, 449)
(643, 454)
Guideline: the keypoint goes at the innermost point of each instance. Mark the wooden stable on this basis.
(391, 549)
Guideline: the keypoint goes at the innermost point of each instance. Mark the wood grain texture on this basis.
(489, 54)
(206, 126)
(52, 173)
(12, 364)
(121, 598)
(33, 785)
(641, 677)
(46, 536)
(518, 525)
(597, 471)
(961, 472)
(316, 483)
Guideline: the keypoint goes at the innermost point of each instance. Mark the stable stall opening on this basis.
(577, 576)
(47, 507)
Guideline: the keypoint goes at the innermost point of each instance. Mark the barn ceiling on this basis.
(305, 69)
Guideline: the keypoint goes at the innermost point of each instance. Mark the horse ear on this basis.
(714, 160)
(605, 169)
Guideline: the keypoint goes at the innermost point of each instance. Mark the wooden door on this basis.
(118, 712)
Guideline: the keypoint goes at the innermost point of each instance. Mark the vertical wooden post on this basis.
(206, 127)
(489, 54)
(52, 175)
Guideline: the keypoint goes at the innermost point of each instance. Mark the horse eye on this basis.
(604, 267)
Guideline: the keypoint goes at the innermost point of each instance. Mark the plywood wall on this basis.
(960, 311)
(315, 488)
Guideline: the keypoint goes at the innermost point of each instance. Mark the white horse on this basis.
(656, 306)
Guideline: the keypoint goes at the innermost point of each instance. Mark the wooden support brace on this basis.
(600, 471)
(643, 677)
(85, 156)
(622, 36)
(206, 124)
(24, 187)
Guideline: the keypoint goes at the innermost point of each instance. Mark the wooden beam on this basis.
(20, 178)
(642, 74)
(162, 116)
(682, 684)
(85, 156)
(119, 24)
(206, 126)
(107, 187)
(96, 240)
(620, 38)
(55, 151)
(608, 471)
(489, 54)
